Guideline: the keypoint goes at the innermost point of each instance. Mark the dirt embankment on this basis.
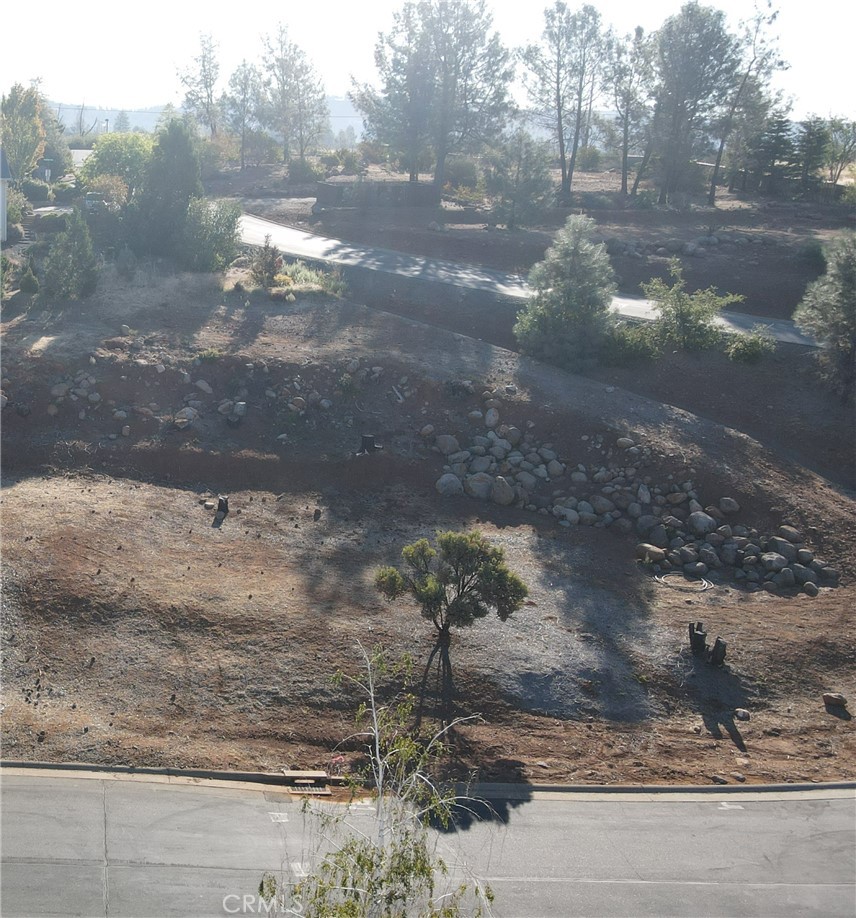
(137, 632)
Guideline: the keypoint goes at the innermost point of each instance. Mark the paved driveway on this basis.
(300, 244)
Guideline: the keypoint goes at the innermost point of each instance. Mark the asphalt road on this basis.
(121, 847)
(300, 244)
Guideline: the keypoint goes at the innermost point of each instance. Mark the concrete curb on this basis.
(524, 791)
(250, 777)
(486, 791)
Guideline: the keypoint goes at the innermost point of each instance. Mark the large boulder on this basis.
(502, 491)
(447, 444)
(702, 523)
(513, 434)
(658, 536)
(568, 514)
(791, 534)
(602, 505)
(479, 485)
(782, 547)
(481, 464)
(449, 485)
(773, 561)
(650, 553)
(527, 479)
(804, 574)
(555, 469)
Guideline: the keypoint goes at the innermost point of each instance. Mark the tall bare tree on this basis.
(759, 58)
(628, 76)
(564, 72)
(200, 85)
(241, 102)
(841, 151)
(547, 79)
(295, 105)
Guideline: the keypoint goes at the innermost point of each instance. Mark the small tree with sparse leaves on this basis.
(465, 578)
(266, 263)
(686, 320)
(390, 869)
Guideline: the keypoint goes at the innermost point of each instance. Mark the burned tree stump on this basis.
(368, 445)
(698, 639)
(717, 654)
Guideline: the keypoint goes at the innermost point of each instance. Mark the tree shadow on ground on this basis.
(599, 635)
(479, 803)
(440, 702)
(716, 692)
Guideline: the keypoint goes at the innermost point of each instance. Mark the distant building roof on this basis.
(5, 171)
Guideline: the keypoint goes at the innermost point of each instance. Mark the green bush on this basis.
(751, 346)
(70, 269)
(828, 312)
(36, 190)
(350, 161)
(301, 170)
(299, 276)
(568, 314)
(629, 342)
(462, 172)
(51, 223)
(266, 263)
(686, 320)
(646, 199)
(373, 151)
(14, 234)
(209, 240)
(329, 161)
(65, 193)
(28, 283)
(520, 181)
(16, 206)
(588, 159)
(812, 255)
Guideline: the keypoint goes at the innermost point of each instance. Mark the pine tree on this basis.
(568, 314)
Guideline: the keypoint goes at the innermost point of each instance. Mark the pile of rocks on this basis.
(701, 544)
(504, 465)
(698, 247)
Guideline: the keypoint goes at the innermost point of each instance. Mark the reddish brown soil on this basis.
(135, 632)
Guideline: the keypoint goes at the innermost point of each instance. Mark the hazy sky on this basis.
(126, 56)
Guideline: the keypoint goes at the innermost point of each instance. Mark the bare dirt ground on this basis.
(136, 632)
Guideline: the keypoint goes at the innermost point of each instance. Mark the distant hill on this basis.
(91, 119)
